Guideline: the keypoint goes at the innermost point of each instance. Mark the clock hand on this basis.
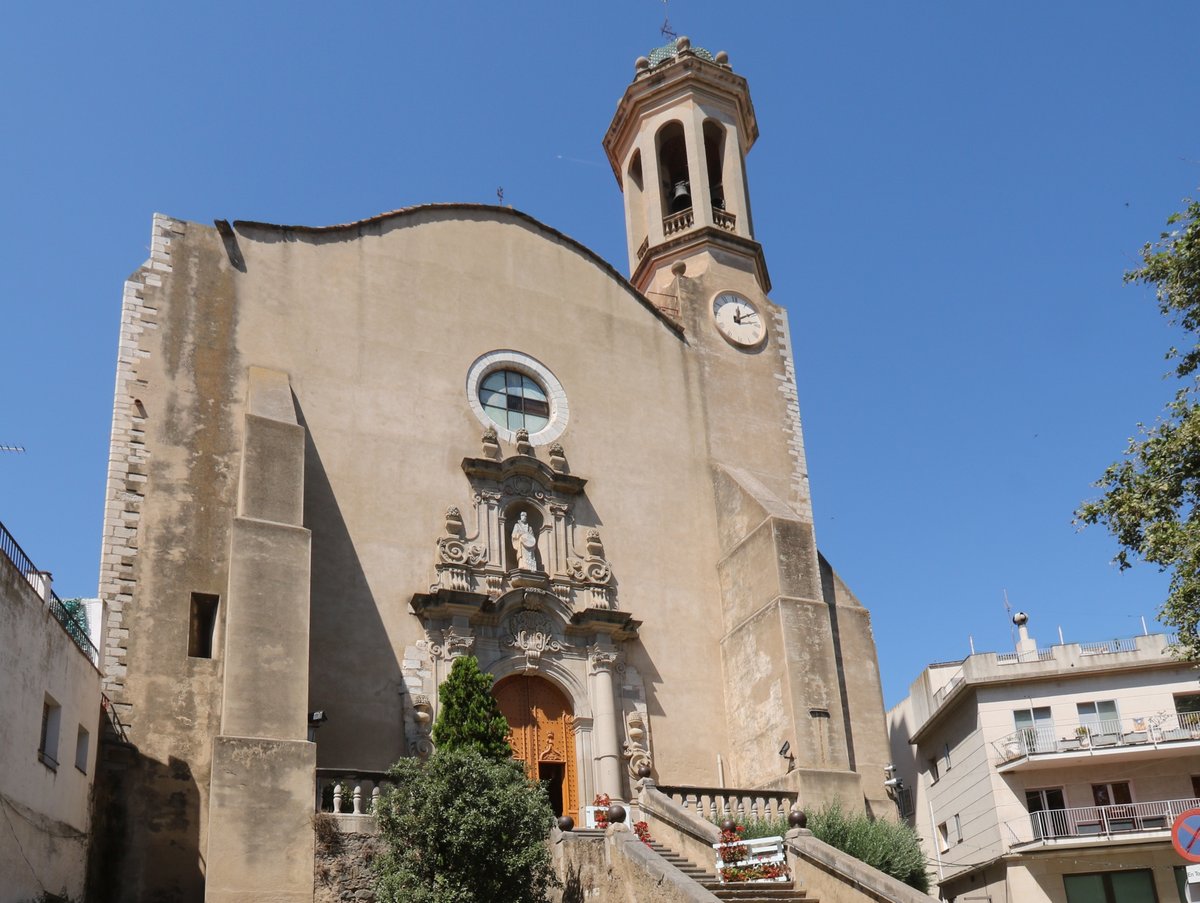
(737, 316)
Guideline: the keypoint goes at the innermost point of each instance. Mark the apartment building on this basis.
(1051, 773)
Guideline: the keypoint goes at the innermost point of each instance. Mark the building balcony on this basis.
(1096, 825)
(1127, 739)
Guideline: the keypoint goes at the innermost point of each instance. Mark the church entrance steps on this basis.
(745, 893)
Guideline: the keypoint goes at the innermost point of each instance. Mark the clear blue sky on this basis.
(947, 193)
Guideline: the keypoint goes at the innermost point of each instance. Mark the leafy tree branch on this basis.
(1150, 498)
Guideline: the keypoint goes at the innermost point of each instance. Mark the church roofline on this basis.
(359, 225)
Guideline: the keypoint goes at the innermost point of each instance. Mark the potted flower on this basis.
(1083, 735)
(642, 830)
(599, 810)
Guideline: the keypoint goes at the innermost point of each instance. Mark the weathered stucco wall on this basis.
(43, 843)
(375, 326)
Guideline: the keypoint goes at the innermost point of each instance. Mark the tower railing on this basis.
(677, 222)
(38, 582)
(724, 219)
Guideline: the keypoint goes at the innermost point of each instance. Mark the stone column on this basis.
(605, 742)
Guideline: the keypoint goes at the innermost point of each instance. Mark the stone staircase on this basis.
(744, 893)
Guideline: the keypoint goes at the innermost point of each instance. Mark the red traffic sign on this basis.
(1185, 835)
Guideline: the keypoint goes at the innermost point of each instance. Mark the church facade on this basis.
(344, 455)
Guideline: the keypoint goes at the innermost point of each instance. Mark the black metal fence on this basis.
(71, 621)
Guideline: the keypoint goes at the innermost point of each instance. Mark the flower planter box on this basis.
(762, 854)
(590, 813)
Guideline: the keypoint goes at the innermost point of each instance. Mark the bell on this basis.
(681, 197)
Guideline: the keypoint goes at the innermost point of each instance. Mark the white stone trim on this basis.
(801, 493)
(128, 461)
(507, 359)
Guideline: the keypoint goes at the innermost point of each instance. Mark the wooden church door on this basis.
(542, 735)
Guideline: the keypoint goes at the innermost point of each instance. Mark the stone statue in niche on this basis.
(524, 543)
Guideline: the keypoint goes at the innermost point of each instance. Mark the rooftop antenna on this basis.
(1012, 627)
(500, 195)
(18, 449)
(667, 31)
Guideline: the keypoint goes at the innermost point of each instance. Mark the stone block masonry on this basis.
(127, 462)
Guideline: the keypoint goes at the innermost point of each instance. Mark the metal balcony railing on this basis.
(76, 629)
(1149, 731)
(1096, 822)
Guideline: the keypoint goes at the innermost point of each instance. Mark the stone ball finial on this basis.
(1020, 619)
(683, 42)
(616, 814)
(566, 823)
(678, 268)
(722, 57)
(797, 819)
(728, 825)
(641, 64)
(644, 770)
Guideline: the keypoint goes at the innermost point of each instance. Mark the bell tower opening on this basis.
(636, 206)
(714, 156)
(542, 735)
(673, 170)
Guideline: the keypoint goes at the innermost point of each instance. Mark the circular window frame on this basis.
(507, 359)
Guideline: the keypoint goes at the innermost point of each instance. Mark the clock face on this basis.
(738, 320)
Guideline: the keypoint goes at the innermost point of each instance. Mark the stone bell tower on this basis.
(798, 658)
(677, 146)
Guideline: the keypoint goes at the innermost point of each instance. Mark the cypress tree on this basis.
(469, 718)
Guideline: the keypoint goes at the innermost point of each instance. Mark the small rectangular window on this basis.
(48, 744)
(932, 762)
(943, 837)
(946, 748)
(958, 828)
(82, 739)
(202, 625)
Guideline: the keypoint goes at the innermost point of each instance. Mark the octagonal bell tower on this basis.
(677, 146)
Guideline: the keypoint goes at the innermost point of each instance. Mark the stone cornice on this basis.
(685, 243)
(687, 72)
(523, 466)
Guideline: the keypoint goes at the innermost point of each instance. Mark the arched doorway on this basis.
(542, 736)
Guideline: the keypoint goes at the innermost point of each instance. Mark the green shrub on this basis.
(461, 827)
(892, 847)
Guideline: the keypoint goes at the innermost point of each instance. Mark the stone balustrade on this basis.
(724, 219)
(713, 804)
(677, 222)
(349, 793)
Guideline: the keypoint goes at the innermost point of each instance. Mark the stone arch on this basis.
(531, 598)
(552, 670)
